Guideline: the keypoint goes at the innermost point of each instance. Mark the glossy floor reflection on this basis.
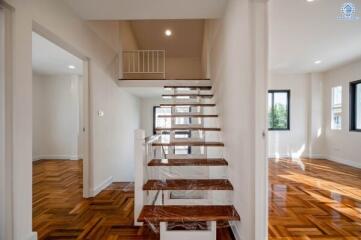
(60, 211)
(314, 199)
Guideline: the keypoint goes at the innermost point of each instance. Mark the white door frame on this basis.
(6, 211)
(85, 127)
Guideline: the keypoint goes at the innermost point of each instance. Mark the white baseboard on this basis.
(101, 186)
(236, 232)
(32, 236)
(313, 155)
(57, 157)
(344, 161)
(323, 156)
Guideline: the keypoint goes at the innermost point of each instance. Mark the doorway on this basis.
(60, 126)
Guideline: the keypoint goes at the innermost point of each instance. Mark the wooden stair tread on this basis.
(188, 104)
(182, 213)
(188, 128)
(188, 143)
(189, 162)
(191, 87)
(189, 115)
(188, 184)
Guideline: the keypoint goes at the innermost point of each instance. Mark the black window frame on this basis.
(288, 91)
(353, 106)
(188, 132)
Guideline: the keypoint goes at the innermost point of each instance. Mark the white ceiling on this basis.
(186, 39)
(302, 32)
(147, 9)
(50, 59)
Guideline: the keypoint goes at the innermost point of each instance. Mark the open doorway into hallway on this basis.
(314, 101)
(59, 140)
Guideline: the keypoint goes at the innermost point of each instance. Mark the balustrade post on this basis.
(140, 168)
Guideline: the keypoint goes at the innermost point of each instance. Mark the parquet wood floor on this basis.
(314, 199)
(60, 212)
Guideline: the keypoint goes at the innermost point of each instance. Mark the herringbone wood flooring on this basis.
(314, 199)
(60, 212)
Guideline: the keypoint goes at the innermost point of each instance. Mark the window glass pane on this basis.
(336, 108)
(280, 110)
(162, 122)
(358, 106)
(336, 118)
(337, 96)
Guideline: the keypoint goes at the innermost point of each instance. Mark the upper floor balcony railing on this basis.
(141, 63)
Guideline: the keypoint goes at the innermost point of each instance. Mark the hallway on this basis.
(314, 199)
(60, 212)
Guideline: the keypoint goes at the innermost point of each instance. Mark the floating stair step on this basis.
(188, 104)
(189, 116)
(188, 162)
(189, 143)
(188, 128)
(188, 184)
(191, 87)
(188, 95)
(181, 213)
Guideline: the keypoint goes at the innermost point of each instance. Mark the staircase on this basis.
(186, 189)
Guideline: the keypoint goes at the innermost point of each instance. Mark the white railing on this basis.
(143, 153)
(144, 62)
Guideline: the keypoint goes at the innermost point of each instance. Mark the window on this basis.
(161, 122)
(279, 109)
(355, 106)
(336, 108)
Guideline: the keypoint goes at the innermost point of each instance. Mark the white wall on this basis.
(292, 142)
(183, 68)
(341, 145)
(56, 117)
(240, 77)
(112, 134)
(311, 117)
(3, 179)
(147, 114)
(306, 135)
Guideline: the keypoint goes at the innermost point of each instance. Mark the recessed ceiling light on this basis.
(318, 61)
(310, 0)
(71, 67)
(168, 32)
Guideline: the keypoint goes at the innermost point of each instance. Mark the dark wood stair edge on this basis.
(189, 128)
(187, 95)
(188, 184)
(188, 213)
(189, 162)
(166, 79)
(189, 144)
(187, 104)
(188, 86)
(189, 115)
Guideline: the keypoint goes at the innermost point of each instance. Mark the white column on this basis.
(260, 65)
(140, 166)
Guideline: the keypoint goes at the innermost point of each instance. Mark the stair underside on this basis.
(189, 143)
(188, 184)
(189, 116)
(181, 213)
(188, 104)
(188, 128)
(189, 162)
